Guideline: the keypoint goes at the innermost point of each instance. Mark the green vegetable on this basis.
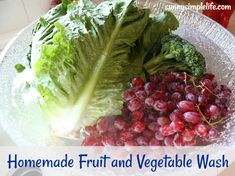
(83, 57)
(163, 23)
(179, 53)
(44, 30)
(150, 40)
(19, 68)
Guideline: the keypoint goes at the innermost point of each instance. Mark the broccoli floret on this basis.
(179, 53)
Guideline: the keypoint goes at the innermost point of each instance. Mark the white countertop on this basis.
(16, 14)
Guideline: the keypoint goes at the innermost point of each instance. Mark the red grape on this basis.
(140, 94)
(160, 105)
(201, 130)
(190, 89)
(90, 130)
(128, 94)
(213, 111)
(159, 136)
(224, 111)
(191, 143)
(137, 115)
(207, 83)
(112, 129)
(148, 87)
(130, 143)
(125, 135)
(158, 95)
(186, 106)
(152, 117)
(120, 124)
(169, 77)
(209, 76)
(163, 121)
(176, 96)
(177, 126)
(102, 124)
(155, 79)
(134, 104)
(149, 101)
(188, 134)
(91, 141)
(180, 76)
(191, 97)
(205, 92)
(154, 126)
(137, 83)
(176, 115)
(166, 130)
(168, 141)
(192, 117)
(119, 142)
(176, 87)
(148, 133)
(107, 140)
(142, 141)
(154, 142)
(202, 100)
(212, 133)
(162, 87)
(138, 127)
(178, 140)
(171, 106)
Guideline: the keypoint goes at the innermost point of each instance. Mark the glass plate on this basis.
(26, 126)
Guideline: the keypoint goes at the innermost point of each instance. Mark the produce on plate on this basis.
(82, 58)
(169, 109)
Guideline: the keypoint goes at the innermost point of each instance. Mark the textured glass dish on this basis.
(26, 126)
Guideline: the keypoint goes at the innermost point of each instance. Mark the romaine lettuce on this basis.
(84, 55)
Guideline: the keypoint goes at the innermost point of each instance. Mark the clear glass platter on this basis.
(26, 126)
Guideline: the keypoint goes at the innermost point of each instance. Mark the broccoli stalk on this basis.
(164, 65)
(157, 60)
(178, 53)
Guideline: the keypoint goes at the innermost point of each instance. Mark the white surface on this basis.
(4, 139)
(14, 15)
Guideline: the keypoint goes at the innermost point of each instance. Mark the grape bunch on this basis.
(169, 109)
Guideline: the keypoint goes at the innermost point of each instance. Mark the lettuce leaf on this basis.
(83, 72)
(83, 58)
(150, 41)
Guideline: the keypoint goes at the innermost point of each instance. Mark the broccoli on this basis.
(178, 53)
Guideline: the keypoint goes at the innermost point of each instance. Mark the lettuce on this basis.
(83, 56)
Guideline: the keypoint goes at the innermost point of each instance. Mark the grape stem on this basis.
(203, 86)
(185, 78)
(208, 122)
(204, 118)
(221, 121)
(192, 79)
